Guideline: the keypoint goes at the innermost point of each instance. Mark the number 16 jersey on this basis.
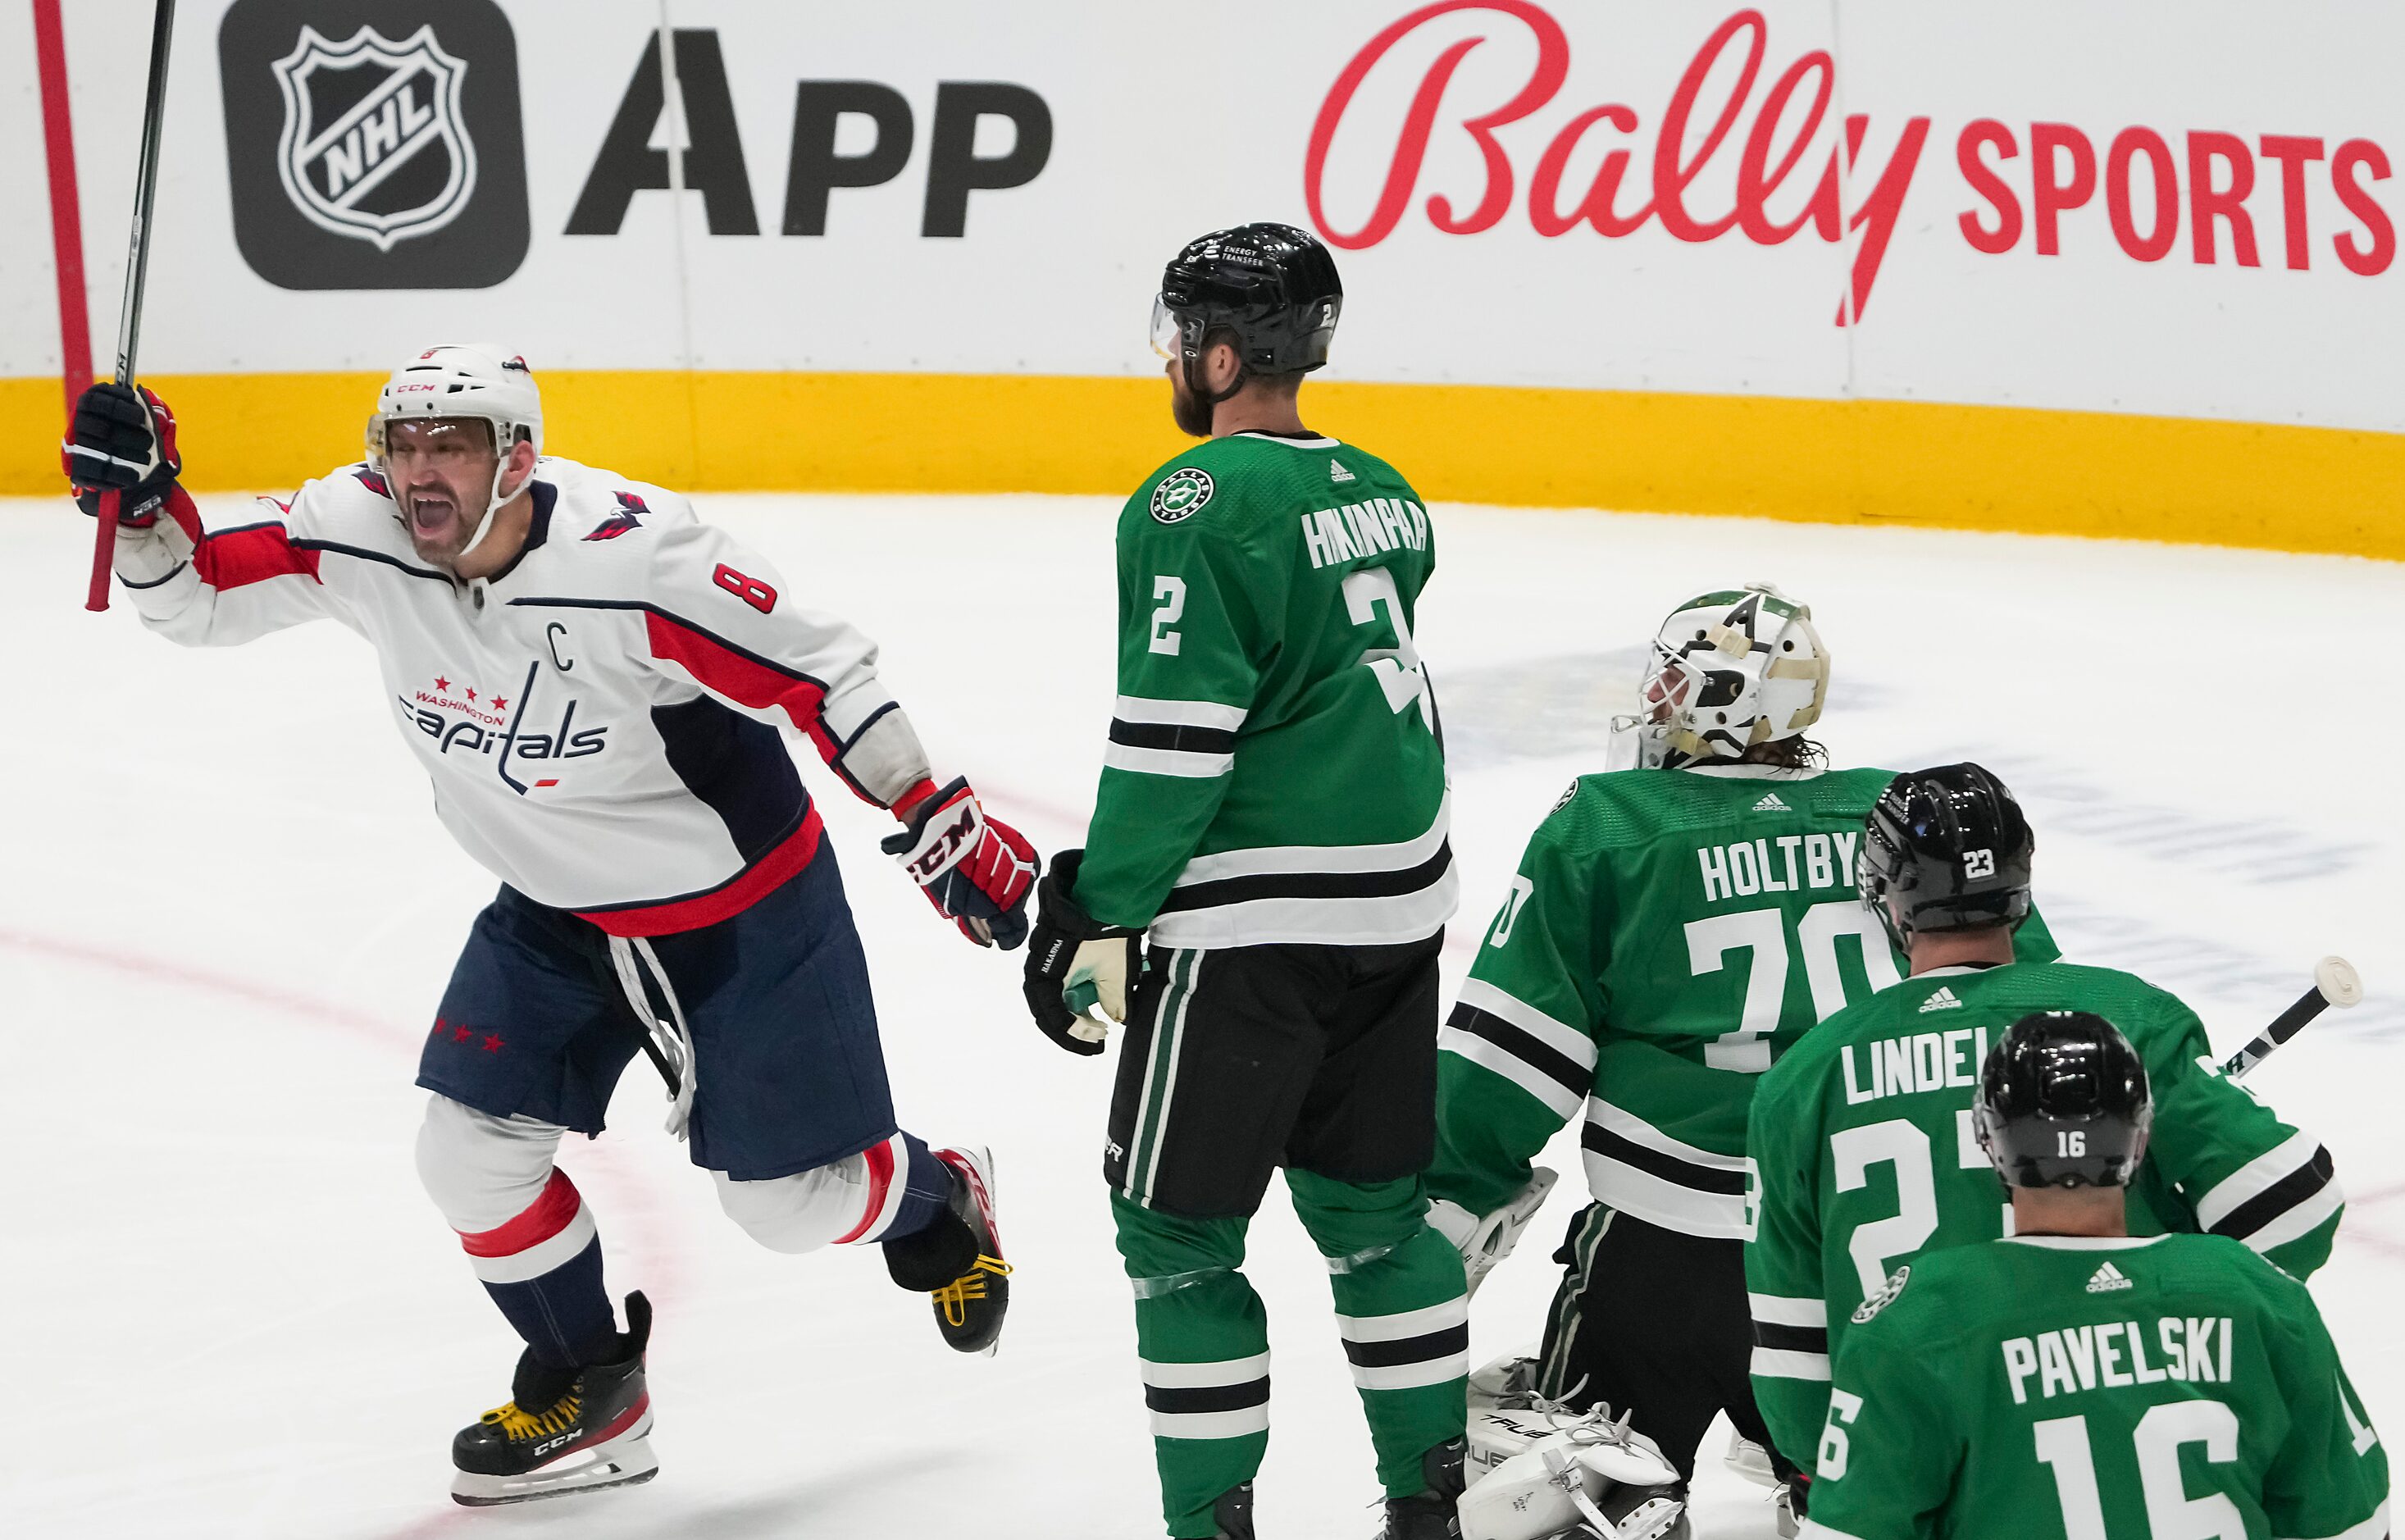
(2098, 1388)
(1865, 1161)
(1670, 934)
(1275, 772)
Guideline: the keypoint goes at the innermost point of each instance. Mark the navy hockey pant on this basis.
(790, 1111)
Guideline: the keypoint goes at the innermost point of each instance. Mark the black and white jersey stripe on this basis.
(1550, 1059)
(1791, 1336)
(1227, 1399)
(1194, 739)
(1409, 1348)
(1327, 894)
(1636, 1168)
(2274, 1198)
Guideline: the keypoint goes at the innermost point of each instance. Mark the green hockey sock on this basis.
(1204, 1345)
(1403, 1309)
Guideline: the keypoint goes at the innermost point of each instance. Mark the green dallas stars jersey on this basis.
(1864, 1157)
(1670, 934)
(1274, 774)
(2175, 1388)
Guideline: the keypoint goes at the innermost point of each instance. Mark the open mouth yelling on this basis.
(431, 515)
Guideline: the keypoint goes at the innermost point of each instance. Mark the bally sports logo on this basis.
(372, 147)
(1753, 144)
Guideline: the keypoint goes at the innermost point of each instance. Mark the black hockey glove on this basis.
(122, 439)
(1073, 957)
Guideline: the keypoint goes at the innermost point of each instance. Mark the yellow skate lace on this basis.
(954, 1296)
(518, 1424)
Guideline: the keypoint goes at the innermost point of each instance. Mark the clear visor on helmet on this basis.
(443, 441)
(1168, 333)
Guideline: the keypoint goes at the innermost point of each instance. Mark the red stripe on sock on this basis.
(544, 1218)
(880, 1179)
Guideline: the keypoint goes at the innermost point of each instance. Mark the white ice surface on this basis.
(227, 912)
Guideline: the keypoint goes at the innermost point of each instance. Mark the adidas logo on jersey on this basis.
(2109, 1278)
(1770, 803)
(1943, 1000)
(1337, 473)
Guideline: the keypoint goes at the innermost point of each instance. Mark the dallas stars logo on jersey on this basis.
(1869, 1308)
(1181, 494)
(2199, 1384)
(1274, 773)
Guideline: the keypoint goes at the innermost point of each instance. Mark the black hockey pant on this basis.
(1653, 1321)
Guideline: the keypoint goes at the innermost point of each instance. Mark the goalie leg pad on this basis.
(1585, 1477)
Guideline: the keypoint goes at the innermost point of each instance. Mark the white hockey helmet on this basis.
(471, 379)
(1729, 669)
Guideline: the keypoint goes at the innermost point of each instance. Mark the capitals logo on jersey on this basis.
(626, 518)
(458, 718)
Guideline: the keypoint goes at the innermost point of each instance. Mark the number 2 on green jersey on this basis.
(1899, 1143)
(1397, 667)
(1170, 591)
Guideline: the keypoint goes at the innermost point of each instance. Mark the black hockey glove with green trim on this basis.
(1079, 970)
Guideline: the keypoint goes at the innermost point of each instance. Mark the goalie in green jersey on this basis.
(1673, 930)
(1862, 1137)
(1273, 812)
(2077, 1379)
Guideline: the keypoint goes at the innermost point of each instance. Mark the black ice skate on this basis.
(1429, 1515)
(564, 1429)
(1233, 1513)
(969, 1309)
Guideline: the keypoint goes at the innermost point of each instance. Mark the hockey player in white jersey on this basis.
(594, 680)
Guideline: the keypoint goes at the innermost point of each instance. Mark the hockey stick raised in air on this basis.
(137, 265)
(2334, 985)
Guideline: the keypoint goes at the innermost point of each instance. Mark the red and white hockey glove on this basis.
(976, 870)
(122, 439)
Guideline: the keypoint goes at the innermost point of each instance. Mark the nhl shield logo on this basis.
(372, 145)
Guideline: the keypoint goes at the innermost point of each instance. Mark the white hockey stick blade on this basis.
(2336, 978)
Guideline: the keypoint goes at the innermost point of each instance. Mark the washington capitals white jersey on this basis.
(599, 718)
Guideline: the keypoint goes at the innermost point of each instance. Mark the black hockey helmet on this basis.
(1951, 847)
(2063, 1103)
(1273, 286)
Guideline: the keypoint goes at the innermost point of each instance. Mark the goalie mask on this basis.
(1729, 671)
(472, 380)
